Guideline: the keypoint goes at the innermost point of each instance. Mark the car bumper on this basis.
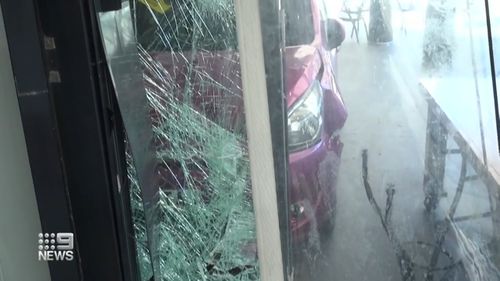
(313, 174)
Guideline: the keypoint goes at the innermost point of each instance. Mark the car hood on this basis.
(302, 65)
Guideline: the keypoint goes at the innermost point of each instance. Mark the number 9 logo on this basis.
(65, 241)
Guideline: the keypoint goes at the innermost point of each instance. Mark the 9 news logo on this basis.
(55, 246)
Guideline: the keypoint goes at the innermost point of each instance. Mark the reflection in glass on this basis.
(417, 179)
(405, 187)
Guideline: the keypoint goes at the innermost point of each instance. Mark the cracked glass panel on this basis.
(394, 168)
(190, 189)
(406, 185)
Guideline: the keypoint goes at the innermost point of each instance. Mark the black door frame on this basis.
(73, 135)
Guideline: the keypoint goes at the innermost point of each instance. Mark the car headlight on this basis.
(305, 119)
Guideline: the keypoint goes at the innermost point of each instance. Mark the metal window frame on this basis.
(73, 135)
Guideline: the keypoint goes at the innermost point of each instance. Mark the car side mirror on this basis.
(335, 33)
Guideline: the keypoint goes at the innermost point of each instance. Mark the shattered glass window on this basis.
(394, 167)
(203, 223)
(192, 203)
(184, 25)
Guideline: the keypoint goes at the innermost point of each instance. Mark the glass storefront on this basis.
(393, 162)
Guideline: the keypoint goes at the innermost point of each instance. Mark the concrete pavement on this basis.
(387, 116)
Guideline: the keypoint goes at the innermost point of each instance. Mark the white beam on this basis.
(259, 139)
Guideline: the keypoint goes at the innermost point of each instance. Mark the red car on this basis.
(316, 112)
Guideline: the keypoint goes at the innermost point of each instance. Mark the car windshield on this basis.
(299, 22)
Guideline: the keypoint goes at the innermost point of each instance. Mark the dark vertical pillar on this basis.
(40, 126)
(380, 30)
(272, 34)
